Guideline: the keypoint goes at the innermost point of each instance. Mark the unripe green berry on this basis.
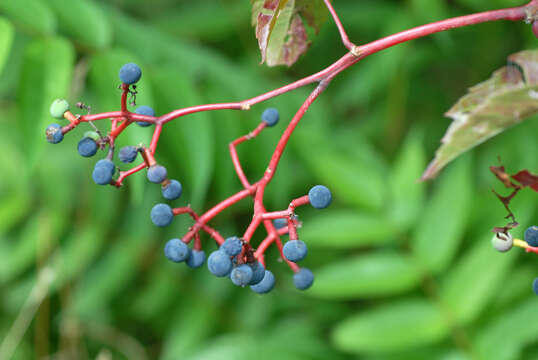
(92, 135)
(58, 108)
(502, 242)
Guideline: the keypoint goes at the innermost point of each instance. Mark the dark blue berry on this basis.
(266, 285)
(241, 275)
(303, 279)
(172, 190)
(128, 154)
(144, 110)
(103, 171)
(531, 236)
(232, 246)
(130, 73)
(176, 250)
(320, 197)
(258, 271)
(87, 147)
(196, 259)
(295, 250)
(54, 133)
(271, 116)
(162, 215)
(219, 263)
(156, 174)
(535, 286)
(280, 223)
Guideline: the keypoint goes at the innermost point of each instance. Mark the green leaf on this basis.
(513, 329)
(369, 275)
(347, 229)
(83, 21)
(280, 30)
(475, 280)
(351, 179)
(397, 326)
(46, 72)
(6, 38)
(506, 99)
(445, 217)
(517, 288)
(407, 198)
(191, 325)
(190, 138)
(33, 15)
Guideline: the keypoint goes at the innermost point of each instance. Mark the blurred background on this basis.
(404, 270)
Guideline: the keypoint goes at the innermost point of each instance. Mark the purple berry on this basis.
(303, 279)
(320, 197)
(266, 285)
(232, 246)
(172, 190)
(128, 154)
(162, 215)
(54, 133)
(219, 263)
(130, 73)
(176, 250)
(295, 250)
(156, 174)
(241, 275)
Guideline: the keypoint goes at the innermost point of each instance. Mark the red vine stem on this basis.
(323, 78)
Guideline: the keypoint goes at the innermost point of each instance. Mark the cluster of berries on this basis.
(92, 141)
(235, 258)
(503, 242)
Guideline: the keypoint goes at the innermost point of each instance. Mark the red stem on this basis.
(323, 78)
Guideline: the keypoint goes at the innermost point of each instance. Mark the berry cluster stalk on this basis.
(320, 198)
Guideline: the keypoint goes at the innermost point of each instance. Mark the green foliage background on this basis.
(403, 270)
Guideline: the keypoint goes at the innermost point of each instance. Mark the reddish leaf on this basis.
(297, 43)
(525, 178)
(280, 30)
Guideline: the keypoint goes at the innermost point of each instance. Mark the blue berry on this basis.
(271, 116)
(303, 279)
(156, 174)
(58, 108)
(232, 246)
(266, 285)
(54, 133)
(535, 286)
(87, 147)
(196, 259)
(531, 236)
(241, 275)
(295, 250)
(280, 223)
(130, 73)
(128, 154)
(103, 171)
(144, 110)
(162, 215)
(176, 250)
(258, 271)
(219, 263)
(502, 242)
(320, 197)
(172, 190)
